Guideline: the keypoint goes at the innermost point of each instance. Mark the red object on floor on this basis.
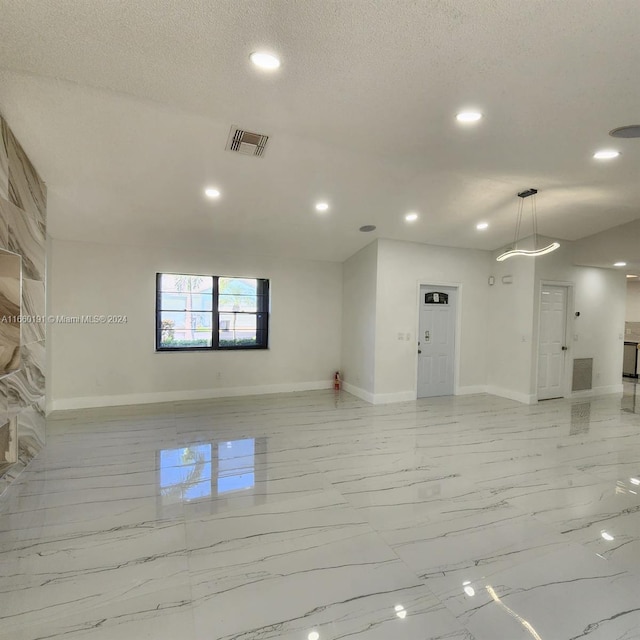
(336, 381)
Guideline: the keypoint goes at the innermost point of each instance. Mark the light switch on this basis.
(401, 336)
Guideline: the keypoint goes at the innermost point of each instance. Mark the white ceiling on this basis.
(125, 108)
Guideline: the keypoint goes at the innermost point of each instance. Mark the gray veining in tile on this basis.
(27, 385)
(314, 516)
(4, 161)
(22, 231)
(33, 308)
(27, 237)
(26, 189)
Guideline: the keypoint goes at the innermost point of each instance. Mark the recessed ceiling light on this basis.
(322, 206)
(210, 192)
(606, 154)
(266, 61)
(411, 217)
(468, 116)
(630, 131)
(619, 264)
(482, 225)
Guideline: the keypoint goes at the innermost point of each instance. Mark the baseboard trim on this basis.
(598, 391)
(403, 396)
(398, 396)
(358, 392)
(471, 390)
(91, 402)
(518, 396)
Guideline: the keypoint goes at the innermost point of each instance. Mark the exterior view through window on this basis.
(211, 312)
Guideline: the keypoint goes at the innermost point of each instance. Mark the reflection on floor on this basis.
(315, 517)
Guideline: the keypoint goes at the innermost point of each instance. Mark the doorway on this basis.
(436, 341)
(552, 345)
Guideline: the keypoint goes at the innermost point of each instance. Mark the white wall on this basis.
(600, 297)
(359, 321)
(94, 365)
(402, 267)
(511, 321)
(633, 302)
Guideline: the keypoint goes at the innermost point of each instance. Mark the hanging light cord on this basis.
(534, 213)
(518, 221)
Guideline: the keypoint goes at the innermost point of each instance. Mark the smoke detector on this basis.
(246, 142)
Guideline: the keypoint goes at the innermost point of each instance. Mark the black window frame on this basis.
(262, 316)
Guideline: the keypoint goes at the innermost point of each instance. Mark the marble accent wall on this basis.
(23, 212)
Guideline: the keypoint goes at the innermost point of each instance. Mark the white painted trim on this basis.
(512, 395)
(88, 402)
(471, 390)
(598, 391)
(398, 396)
(402, 396)
(358, 392)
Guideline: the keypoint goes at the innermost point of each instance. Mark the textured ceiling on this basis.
(126, 107)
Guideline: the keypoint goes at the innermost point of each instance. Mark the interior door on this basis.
(552, 347)
(436, 341)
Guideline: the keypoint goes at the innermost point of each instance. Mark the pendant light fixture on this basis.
(532, 253)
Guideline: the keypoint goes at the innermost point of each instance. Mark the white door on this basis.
(551, 342)
(436, 341)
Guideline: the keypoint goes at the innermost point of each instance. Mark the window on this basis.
(211, 312)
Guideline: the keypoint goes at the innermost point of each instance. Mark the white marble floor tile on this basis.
(568, 594)
(160, 615)
(314, 513)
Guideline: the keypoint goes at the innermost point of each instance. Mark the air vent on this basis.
(582, 374)
(246, 142)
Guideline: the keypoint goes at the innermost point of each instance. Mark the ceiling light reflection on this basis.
(512, 613)
(607, 536)
(314, 635)
(401, 612)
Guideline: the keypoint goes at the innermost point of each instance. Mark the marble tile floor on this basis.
(312, 516)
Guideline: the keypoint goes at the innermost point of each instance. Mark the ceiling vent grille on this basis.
(246, 142)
